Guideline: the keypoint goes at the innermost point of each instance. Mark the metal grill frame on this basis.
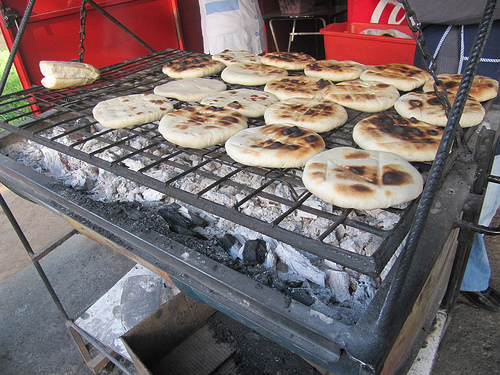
(72, 109)
(334, 344)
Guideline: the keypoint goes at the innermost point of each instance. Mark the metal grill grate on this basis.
(62, 120)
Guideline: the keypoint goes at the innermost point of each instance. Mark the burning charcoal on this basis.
(177, 222)
(172, 216)
(227, 242)
(254, 251)
(197, 220)
(278, 283)
(186, 231)
(134, 215)
(302, 296)
(264, 279)
(295, 284)
(116, 211)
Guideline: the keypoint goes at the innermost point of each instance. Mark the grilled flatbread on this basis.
(62, 74)
(274, 146)
(318, 115)
(425, 106)
(201, 126)
(411, 139)
(250, 103)
(249, 74)
(334, 70)
(402, 76)
(287, 60)
(360, 179)
(229, 57)
(298, 87)
(364, 96)
(482, 89)
(190, 89)
(131, 110)
(192, 67)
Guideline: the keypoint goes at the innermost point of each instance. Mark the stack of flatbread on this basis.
(62, 74)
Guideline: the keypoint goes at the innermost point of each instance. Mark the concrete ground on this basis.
(34, 339)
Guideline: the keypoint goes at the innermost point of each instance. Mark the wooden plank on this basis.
(199, 354)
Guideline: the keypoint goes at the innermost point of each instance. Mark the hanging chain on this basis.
(429, 60)
(83, 18)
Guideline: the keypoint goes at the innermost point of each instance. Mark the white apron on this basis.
(233, 25)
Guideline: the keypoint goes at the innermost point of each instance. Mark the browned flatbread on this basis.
(411, 139)
(298, 87)
(250, 103)
(365, 96)
(425, 106)
(192, 67)
(361, 179)
(402, 76)
(274, 146)
(201, 126)
(482, 89)
(287, 60)
(334, 70)
(318, 115)
(229, 57)
(250, 74)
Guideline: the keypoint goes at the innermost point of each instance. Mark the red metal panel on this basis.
(53, 32)
(376, 11)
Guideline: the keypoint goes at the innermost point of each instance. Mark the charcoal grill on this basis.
(383, 338)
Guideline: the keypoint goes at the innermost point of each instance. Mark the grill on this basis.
(384, 335)
(70, 112)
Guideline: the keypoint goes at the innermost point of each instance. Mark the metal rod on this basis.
(100, 347)
(120, 25)
(29, 250)
(15, 45)
(432, 185)
(15, 225)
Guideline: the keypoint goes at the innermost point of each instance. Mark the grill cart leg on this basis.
(96, 363)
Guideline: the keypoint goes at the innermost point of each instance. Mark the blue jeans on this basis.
(477, 274)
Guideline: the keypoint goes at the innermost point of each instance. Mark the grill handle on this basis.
(481, 229)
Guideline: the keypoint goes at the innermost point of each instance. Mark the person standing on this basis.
(449, 27)
(233, 25)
